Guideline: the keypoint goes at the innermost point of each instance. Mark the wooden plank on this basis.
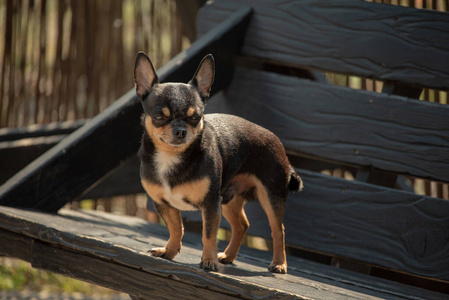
(100, 243)
(144, 284)
(384, 178)
(20, 146)
(17, 154)
(17, 245)
(72, 167)
(124, 180)
(384, 132)
(380, 226)
(38, 130)
(372, 40)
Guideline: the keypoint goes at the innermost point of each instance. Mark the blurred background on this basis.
(67, 60)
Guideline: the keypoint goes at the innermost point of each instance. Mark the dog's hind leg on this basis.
(234, 213)
(274, 208)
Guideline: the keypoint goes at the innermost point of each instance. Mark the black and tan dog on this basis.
(212, 162)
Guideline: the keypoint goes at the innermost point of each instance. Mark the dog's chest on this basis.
(165, 163)
(185, 196)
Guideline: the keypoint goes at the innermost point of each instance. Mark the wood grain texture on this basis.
(101, 272)
(385, 42)
(384, 132)
(20, 146)
(15, 155)
(73, 166)
(110, 250)
(380, 226)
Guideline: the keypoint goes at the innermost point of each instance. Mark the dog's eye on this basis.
(159, 117)
(194, 118)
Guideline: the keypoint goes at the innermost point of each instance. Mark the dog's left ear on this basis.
(144, 75)
(204, 76)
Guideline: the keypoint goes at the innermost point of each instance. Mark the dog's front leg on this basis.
(211, 221)
(173, 221)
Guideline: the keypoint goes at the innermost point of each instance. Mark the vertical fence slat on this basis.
(5, 101)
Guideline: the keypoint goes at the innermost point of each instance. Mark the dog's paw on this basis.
(163, 253)
(225, 259)
(209, 265)
(278, 268)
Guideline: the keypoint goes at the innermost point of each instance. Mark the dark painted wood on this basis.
(72, 167)
(124, 180)
(15, 155)
(15, 245)
(384, 132)
(399, 89)
(145, 285)
(117, 245)
(384, 227)
(37, 130)
(372, 40)
(20, 146)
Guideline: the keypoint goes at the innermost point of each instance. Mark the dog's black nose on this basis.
(180, 133)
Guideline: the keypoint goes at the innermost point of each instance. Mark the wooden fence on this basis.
(66, 60)
(420, 186)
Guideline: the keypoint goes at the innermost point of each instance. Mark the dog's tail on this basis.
(295, 184)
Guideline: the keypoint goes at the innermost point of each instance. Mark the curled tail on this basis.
(295, 184)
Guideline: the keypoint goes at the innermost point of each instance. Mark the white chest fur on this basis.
(165, 163)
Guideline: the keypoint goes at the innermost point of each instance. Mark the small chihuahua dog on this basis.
(208, 162)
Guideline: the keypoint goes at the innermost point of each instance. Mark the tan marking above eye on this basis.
(166, 112)
(190, 111)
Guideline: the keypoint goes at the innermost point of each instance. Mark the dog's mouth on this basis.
(175, 142)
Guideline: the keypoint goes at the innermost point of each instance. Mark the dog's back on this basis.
(249, 149)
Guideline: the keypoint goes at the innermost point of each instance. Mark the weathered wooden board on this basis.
(20, 146)
(353, 37)
(375, 225)
(92, 245)
(384, 132)
(73, 166)
(15, 155)
(381, 226)
(38, 130)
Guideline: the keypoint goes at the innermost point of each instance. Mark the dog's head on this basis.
(173, 111)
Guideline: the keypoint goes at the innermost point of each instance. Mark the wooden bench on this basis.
(268, 55)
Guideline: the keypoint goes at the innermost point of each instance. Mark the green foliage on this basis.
(17, 275)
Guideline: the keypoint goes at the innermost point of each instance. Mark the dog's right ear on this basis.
(144, 75)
